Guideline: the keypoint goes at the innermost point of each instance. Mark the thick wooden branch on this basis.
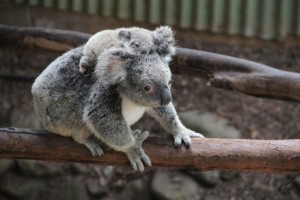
(204, 154)
(219, 70)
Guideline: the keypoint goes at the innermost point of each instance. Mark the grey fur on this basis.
(135, 40)
(103, 105)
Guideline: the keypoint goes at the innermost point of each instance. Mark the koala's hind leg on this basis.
(92, 143)
(114, 131)
(136, 154)
(168, 118)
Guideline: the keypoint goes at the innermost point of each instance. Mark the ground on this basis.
(253, 117)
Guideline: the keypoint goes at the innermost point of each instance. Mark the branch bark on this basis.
(204, 154)
(219, 70)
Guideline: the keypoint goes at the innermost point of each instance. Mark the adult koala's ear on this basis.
(124, 35)
(164, 42)
(111, 65)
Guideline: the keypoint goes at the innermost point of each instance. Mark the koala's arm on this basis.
(169, 119)
(104, 118)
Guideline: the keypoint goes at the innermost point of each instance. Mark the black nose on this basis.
(165, 96)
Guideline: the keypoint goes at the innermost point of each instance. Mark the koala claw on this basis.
(93, 145)
(140, 136)
(96, 150)
(186, 137)
(182, 137)
(137, 156)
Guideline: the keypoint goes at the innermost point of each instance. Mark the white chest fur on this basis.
(131, 111)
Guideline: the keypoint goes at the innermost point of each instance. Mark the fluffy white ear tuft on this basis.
(164, 42)
(165, 32)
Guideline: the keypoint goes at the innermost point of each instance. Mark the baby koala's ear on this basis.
(124, 35)
(164, 42)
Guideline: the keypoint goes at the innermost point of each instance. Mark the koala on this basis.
(136, 40)
(101, 107)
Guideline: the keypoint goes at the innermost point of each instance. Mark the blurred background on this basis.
(264, 31)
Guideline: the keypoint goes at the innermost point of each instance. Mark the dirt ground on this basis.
(255, 118)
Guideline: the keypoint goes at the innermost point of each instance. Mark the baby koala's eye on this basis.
(135, 44)
(151, 51)
(148, 88)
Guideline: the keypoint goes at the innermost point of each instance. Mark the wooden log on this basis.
(219, 70)
(204, 154)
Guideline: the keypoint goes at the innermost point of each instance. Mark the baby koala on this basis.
(135, 40)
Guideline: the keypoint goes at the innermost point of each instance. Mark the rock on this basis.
(209, 124)
(78, 168)
(228, 176)
(109, 171)
(5, 165)
(29, 190)
(134, 190)
(39, 168)
(297, 182)
(167, 185)
(72, 189)
(262, 187)
(107, 174)
(206, 178)
(95, 189)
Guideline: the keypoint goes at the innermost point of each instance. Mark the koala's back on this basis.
(100, 41)
(59, 94)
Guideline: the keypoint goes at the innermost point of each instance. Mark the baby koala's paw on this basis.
(83, 70)
(85, 65)
(184, 135)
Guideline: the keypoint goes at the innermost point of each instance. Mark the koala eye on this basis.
(169, 83)
(135, 44)
(148, 88)
(151, 51)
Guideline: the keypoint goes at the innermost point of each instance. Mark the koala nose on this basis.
(165, 96)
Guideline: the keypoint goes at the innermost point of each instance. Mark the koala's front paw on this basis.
(136, 154)
(185, 135)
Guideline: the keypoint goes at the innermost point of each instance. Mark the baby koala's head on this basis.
(140, 41)
(136, 40)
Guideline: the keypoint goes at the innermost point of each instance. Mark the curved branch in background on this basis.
(219, 70)
(54, 40)
(204, 154)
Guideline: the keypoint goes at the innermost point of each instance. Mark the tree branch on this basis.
(204, 154)
(219, 70)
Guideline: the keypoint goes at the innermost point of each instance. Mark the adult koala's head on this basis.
(144, 79)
